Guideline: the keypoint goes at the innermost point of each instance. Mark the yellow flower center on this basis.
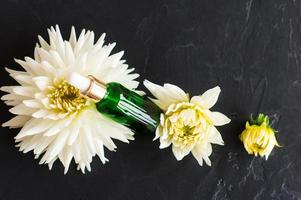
(185, 124)
(65, 98)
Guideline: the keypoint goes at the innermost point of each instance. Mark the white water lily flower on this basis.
(57, 121)
(187, 124)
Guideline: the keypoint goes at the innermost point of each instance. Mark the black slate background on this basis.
(252, 49)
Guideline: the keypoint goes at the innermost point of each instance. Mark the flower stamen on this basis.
(65, 98)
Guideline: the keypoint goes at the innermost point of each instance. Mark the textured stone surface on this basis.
(251, 49)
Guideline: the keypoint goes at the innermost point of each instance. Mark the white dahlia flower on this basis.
(187, 124)
(57, 121)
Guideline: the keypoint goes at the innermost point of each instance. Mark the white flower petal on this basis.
(215, 136)
(217, 118)
(202, 152)
(67, 154)
(56, 146)
(22, 109)
(58, 125)
(17, 121)
(10, 97)
(158, 133)
(42, 82)
(41, 143)
(74, 131)
(176, 92)
(166, 95)
(34, 126)
(24, 91)
(43, 43)
(40, 113)
(180, 153)
(208, 98)
(32, 103)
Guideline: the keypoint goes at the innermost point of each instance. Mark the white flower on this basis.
(58, 122)
(187, 124)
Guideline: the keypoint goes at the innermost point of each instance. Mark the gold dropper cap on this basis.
(88, 85)
(96, 89)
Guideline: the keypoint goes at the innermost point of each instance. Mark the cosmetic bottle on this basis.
(119, 103)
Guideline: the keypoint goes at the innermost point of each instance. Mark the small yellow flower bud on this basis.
(259, 137)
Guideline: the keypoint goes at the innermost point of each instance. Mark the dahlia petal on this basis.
(22, 109)
(74, 132)
(180, 153)
(58, 126)
(208, 98)
(107, 141)
(217, 118)
(48, 68)
(34, 65)
(43, 43)
(197, 157)
(40, 113)
(8, 97)
(115, 130)
(25, 66)
(57, 145)
(88, 167)
(158, 133)
(56, 59)
(15, 72)
(72, 38)
(76, 152)
(100, 41)
(176, 92)
(50, 164)
(12, 102)
(23, 79)
(207, 160)
(42, 143)
(166, 95)
(89, 139)
(45, 55)
(81, 63)
(202, 152)
(80, 42)
(8, 89)
(69, 55)
(164, 143)
(52, 38)
(60, 41)
(100, 151)
(42, 82)
(31, 103)
(36, 54)
(16, 122)
(67, 158)
(34, 126)
(29, 144)
(88, 41)
(114, 59)
(215, 137)
(24, 91)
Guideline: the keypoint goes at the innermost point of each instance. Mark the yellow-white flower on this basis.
(187, 124)
(58, 122)
(259, 137)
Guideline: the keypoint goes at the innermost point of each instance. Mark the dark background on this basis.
(251, 49)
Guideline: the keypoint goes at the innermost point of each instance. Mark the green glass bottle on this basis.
(119, 103)
(129, 108)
